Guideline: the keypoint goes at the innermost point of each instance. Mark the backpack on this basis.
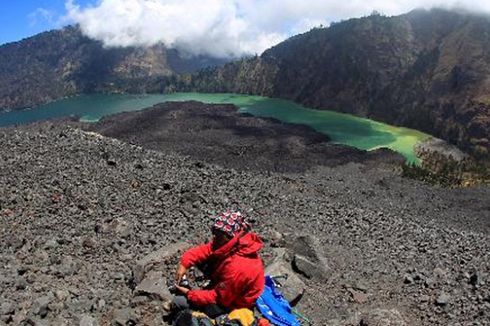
(274, 307)
(237, 317)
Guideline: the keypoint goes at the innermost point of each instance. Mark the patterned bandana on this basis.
(230, 223)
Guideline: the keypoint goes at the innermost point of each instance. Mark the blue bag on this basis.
(274, 307)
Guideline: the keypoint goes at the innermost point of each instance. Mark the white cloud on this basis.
(227, 28)
(41, 15)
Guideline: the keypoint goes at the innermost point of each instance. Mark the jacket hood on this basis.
(249, 244)
(243, 245)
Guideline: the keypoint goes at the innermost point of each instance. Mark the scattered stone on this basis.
(443, 299)
(89, 242)
(358, 296)
(429, 282)
(21, 283)
(121, 227)
(361, 286)
(276, 239)
(382, 317)
(21, 270)
(292, 285)
(308, 259)
(439, 272)
(62, 295)
(140, 299)
(424, 298)
(418, 277)
(474, 279)
(87, 320)
(20, 317)
(118, 276)
(67, 267)
(111, 162)
(154, 285)
(408, 279)
(7, 308)
(37, 322)
(40, 306)
(156, 258)
(124, 317)
(99, 305)
(50, 244)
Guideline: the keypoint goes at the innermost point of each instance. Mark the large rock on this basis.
(443, 299)
(308, 257)
(292, 286)
(382, 317)
(87, 320)
(154, 285)
(40, 305)
(124, 317)
(159, 257)
(7, 307)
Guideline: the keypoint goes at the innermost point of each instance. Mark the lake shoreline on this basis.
(342, 128)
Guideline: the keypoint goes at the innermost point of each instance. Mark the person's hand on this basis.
(181, 270)
(181, 289)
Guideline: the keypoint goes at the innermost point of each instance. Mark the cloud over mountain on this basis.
(227, 28)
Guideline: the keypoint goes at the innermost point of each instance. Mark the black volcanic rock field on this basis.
(81, 212)
(220, 135)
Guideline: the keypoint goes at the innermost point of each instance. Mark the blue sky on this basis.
(24, 18)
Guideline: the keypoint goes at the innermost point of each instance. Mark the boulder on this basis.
(443, 299)
(154, 285)
(358, 296)
(40, 306)
(292, 286)
(159, 257)
(67, 267)
(124, 317)
(7, 308)
(308, 257)
(382, 317)
(86, 320)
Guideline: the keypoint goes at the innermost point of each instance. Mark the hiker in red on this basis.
(232, 263)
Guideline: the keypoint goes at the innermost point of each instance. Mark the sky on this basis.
(220, 28)
(23, 18)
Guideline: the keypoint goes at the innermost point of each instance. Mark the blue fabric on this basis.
(274, 307)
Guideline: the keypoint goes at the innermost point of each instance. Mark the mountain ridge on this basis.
(427, 70)
(64, 62)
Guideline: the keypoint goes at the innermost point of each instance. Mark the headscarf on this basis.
(231, 223)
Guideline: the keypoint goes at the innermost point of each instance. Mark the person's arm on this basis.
(192, 257)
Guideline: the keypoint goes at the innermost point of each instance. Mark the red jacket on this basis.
(237, 273)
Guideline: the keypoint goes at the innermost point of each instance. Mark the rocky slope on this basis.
(427, 70)
(79, 213)
(64, 62)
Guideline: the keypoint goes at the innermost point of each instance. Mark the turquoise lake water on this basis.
(341, 128)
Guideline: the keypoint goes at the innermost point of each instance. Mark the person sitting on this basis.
(232, 262)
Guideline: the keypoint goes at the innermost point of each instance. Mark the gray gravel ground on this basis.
(77, 210)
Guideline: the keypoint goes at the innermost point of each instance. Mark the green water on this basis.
(341, 128)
